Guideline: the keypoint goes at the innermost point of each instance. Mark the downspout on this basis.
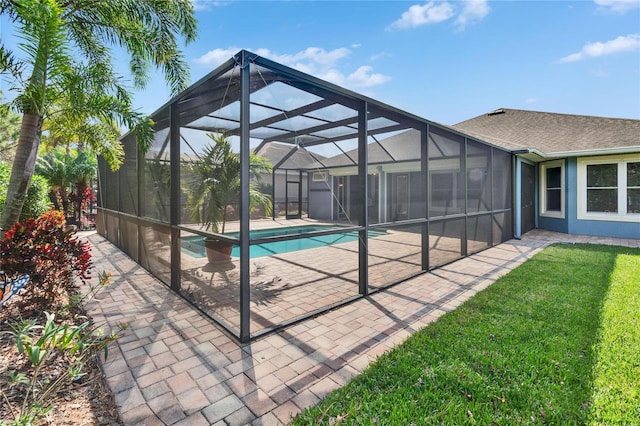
(517, 211)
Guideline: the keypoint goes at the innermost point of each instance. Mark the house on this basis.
(575, 174)
(394, 180)
(288, 185)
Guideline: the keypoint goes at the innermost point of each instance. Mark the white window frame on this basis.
(320, 177)
(543, 189)
(621, 215)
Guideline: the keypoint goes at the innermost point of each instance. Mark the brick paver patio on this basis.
(176, 367)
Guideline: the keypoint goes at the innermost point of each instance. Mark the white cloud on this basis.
(435, 11)
(365, 77)
(627, 43)
(618, 6)
(472, 12)
(334, 76)
(379, 56)
(206, 4)
(316, 61)
(312, 54)
(215, 57)
(531, 100)
(429, 13)
(308, 59)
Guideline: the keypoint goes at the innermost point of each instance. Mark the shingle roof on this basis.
(299, 160)
(552, 133)
(404, 146)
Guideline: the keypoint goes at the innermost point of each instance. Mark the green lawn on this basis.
(556, 341)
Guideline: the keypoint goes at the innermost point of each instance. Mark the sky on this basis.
(446, 61)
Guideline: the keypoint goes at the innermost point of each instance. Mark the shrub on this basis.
(37, 201)
(64, 348)
(51, 256)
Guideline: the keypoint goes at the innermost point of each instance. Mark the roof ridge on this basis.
(560, 113)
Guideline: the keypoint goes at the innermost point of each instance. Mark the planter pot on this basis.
(217, 250)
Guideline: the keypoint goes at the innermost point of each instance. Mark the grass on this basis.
(553, 342)
(616, 396)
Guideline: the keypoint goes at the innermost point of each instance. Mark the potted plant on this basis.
(216, 188)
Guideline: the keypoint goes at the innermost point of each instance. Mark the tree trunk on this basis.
(53, 197)
(24, 164)
(81, 186)
(64, 197)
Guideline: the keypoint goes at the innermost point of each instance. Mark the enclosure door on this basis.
(373, 197)
(293, 195)
(528, 190)
(400, 197)
(341, 199)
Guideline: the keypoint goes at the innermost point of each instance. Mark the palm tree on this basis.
(54, 168)
(216, 183)
(68, 174)
(82, 172)
(148, 30)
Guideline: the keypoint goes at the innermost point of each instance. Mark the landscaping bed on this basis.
(49, 348)
(87, 401)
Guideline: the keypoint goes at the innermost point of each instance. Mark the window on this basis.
(602, 188)
(320, 177)
(633, 187)
(552, 189)
(609, 188)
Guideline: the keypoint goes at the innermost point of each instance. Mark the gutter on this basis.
(533, 152)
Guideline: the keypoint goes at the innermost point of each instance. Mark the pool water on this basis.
(194, 246)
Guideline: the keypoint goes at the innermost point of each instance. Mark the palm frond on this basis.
(9, 64)
(216, 183)
(147, 29)
(43, 40)
(53, 167)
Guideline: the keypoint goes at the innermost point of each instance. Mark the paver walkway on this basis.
(176, 367)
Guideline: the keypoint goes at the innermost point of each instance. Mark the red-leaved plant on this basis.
(51, 255)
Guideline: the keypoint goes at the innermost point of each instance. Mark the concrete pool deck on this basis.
(174, 366)
(290, 285)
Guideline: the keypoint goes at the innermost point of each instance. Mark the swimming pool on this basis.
(194, 246)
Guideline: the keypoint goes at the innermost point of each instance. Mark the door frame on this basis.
(341, 197)
(518, 202)
(400, 195)
(296, 194)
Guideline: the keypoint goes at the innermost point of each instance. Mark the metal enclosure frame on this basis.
(232, 85)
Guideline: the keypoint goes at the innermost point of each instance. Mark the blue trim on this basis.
(602, 228)
(554, 223)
